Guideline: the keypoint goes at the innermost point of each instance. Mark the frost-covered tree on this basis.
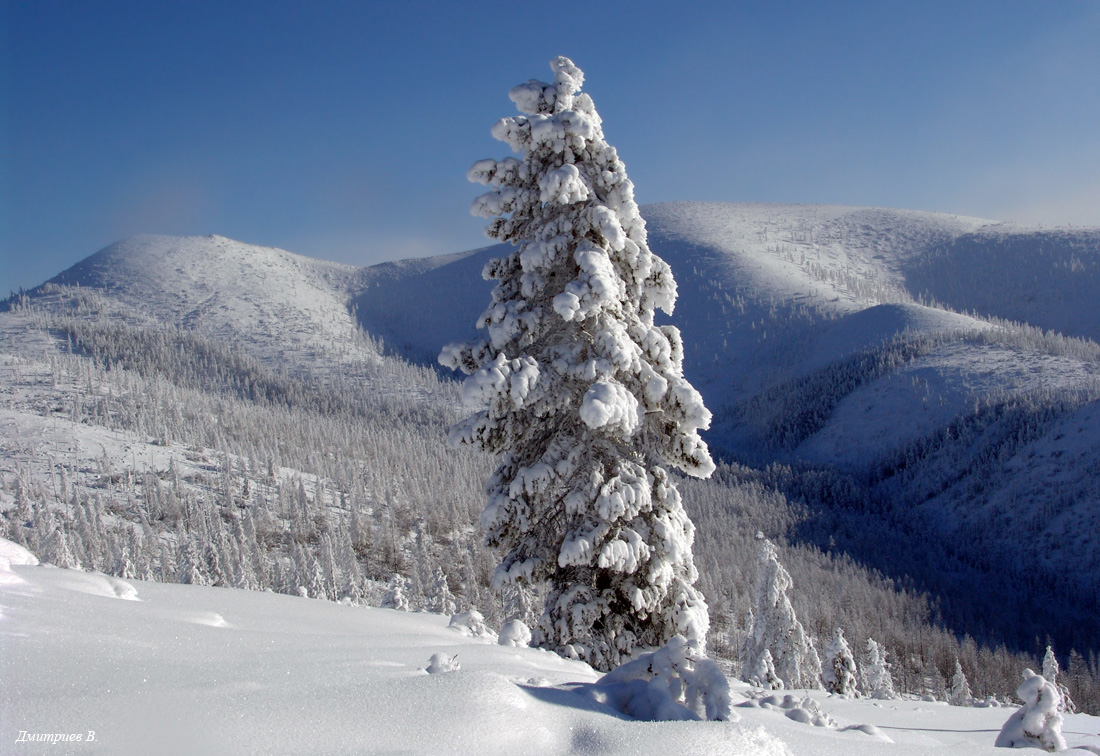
(776, 630)
(578, 391)
(762, 672)
(839, 671)
(397, 594)
(440, 598)
(880, 683)
(1050, 674)
(960, 688)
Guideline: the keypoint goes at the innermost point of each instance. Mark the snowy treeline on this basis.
(256, 479)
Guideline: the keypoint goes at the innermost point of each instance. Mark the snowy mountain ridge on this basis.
(286, 307)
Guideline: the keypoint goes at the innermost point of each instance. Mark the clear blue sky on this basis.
(343, 130)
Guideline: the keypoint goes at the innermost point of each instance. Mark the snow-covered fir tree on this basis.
(1050, 665)
(578, 391)
(440, 598)
(839, 672)
(879, 683)
(776, 630)
(1050, 674)
(960, 694)
(396, 596)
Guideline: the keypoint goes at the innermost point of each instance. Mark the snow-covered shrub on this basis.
(577, 390)
(839, 671)
(879, 683)
(441, 662)
(675, 682)
(471, 623)
(776, 631)
(762, 672)
(1038, 723)
(514, 633)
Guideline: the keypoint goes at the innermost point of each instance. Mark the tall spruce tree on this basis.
(580, 394)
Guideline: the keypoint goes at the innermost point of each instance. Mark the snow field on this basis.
(189, 669)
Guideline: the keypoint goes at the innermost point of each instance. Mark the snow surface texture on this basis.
(284, 675)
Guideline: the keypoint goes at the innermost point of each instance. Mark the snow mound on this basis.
(675, 682)
(472, 624)
(804, 710)
(13, 554)
(514, 633)
(1038, 723)
(442, 663)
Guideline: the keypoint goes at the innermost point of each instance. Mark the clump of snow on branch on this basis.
(579, 391)
(1038, 723)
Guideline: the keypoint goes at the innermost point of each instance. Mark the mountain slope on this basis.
(289, 309)
(810, 331)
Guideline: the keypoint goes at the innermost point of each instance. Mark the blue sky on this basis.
(343, 130)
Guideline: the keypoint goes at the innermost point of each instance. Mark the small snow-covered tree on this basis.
(880, 683)
(762, 672)
(440, 598)
(59, 551)
(397, 595)
(1050, 674)
(578, 391)
(960, 688)
(1050, 666)
(839, 670)
(776, 630)
(1038, 723)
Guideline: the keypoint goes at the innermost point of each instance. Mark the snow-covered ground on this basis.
(175, 669)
